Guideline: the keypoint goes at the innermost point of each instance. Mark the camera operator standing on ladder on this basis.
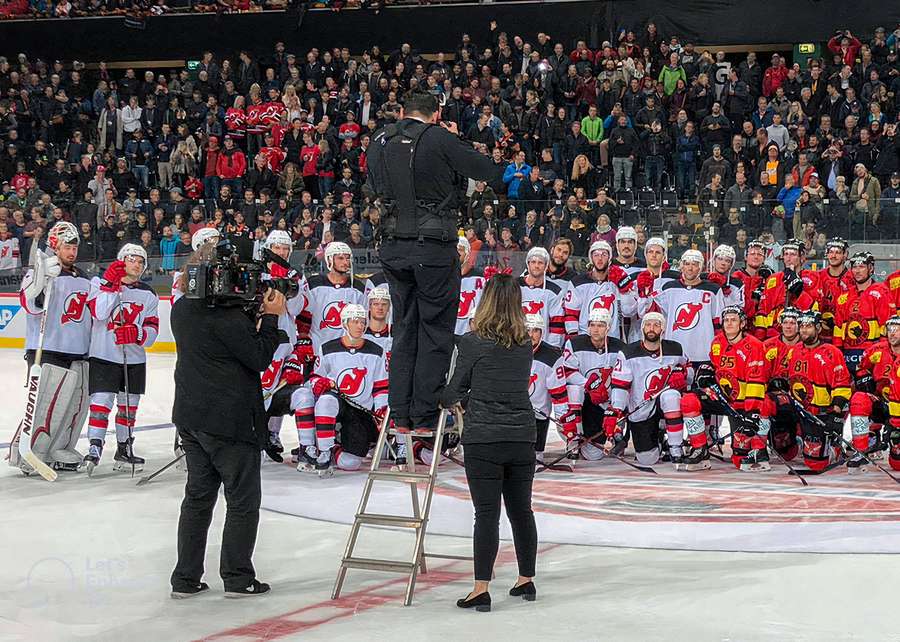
(222, 349)
(417, 170)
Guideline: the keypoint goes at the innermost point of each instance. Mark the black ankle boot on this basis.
(481, 602)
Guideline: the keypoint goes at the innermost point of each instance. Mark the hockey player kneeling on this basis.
(818, 379)
(734, 384)
(647, 381)
(126, 323)
(547, 387)
(62, 396)
(350, 383)
(589, 362)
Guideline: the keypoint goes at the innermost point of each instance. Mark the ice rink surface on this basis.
(89, 559)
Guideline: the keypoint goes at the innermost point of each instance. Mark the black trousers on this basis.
(503, 469)
(213, 462)
(424, 282)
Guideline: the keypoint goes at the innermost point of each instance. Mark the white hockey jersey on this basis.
(132, 304)
(384, 340)
(640, 374)
(286, 322)
(732, 291)
(547, 385)
(359, 373)
(667, 275)
(68, 326)
(587, 366)
(693, 314)
(10, 259)
(324, 302)
(586, 294)
(546, 301)
(470, 289)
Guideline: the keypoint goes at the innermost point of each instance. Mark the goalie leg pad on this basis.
(57, 388)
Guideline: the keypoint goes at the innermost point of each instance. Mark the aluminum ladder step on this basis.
(369, 564)
(399, 476)
(397, 521)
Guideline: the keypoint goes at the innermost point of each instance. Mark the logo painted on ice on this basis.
(7, 313)
(331, 315)
(352, 381)
(687, 316)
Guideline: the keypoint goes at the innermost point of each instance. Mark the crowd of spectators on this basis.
(61, 9)
(248, 145)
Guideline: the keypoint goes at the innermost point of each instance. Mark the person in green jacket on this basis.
(592, 128)
(670, 74)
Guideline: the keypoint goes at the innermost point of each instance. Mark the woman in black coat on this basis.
(493, 368)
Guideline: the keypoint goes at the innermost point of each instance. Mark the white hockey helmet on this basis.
(333, 249)
(658, 242)
(62, 232)
(626, 233)
(279, 237)
(600, 315)
(463, 242)
(132, 249)
(538, 253)
(692, 256)
(654, 316)
(353, 311)
(379, 294)
(725, 251)
(534, 322)
(600, 246)
(203, 236)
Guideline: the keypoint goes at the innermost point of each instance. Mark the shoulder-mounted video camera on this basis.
(225, 280)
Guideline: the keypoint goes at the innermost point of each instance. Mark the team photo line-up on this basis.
(633, 351)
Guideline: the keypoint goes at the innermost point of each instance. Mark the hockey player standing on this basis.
(604, 285)
(834, 280)
(647, 383)
(861, 311)
(793, 286)
(470, 289)
(589, 362)
(732, 286)
(67, 340)
(754, 275)
(542, 296)
(379, 329)
(126, 323)
(559, 271)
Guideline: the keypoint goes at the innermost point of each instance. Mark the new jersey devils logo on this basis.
(126, 313)
(532, 307)
(687, 316)
(655, 381)
(605, 301)
(466, 299)
(271, 374)
(73, 307)
(331, 315)
(532, 384)
(351, 381)
(4, 252)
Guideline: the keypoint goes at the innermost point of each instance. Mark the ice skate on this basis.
(306, 459)
(697, 460)
(757, 460)
(92, 459)
(323, 465)
(125, 458)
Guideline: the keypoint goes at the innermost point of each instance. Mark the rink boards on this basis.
(609, 504)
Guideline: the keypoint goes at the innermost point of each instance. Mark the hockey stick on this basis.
(147, 478)
(130, 448)
(803, 412)
(34, 382)
(733, 413)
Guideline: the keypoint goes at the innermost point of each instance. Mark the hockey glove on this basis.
(303, 351)
(678, 379)
(715, 277)
(292, 373)
(321, 385)
(756, 295)
(706, 376)
(619, 276)
(611, 423)
(645, 282)
(750, 423)
(113, 276)
(569, 427)
(379, 416)
(834, 424)
(865, 382)
(764, 272)
(51, 267)
(793, 283)
(778, 384)
(127, 334)
(597, 392)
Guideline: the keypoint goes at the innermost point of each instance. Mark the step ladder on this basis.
(418, 521)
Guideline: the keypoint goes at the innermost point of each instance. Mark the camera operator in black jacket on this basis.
(222, 424)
